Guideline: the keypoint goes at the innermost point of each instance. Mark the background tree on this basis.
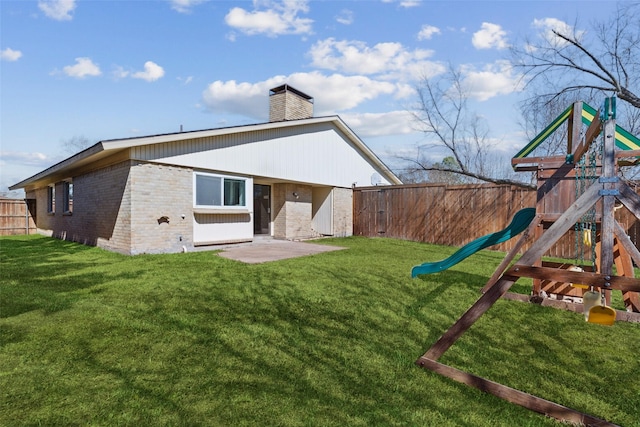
(605, 60)
(454, 134)
(76, 144)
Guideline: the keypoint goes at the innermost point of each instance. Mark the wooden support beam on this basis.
(629, 198)
(526, 400)
(592, 131)
(525, 168)
(624, 240)
(608, 197)
(621, 316)
(574, 126)
(546, 160)
(535, 163)
(597, 280)
(621, 154)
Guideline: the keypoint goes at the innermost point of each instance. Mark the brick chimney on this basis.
(287, 103)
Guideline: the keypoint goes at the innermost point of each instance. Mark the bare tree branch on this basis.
(579, 65)
(454, 134)
(606, 62)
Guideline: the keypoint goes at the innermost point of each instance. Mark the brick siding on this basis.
(342, 212)
(292, 218)
(160, 191)
(289, 106)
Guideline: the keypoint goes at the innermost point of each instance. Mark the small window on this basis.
(51, 199)
(234, 192)
(67, 197)
(219, 191)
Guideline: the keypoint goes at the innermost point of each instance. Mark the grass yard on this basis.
(90, 337)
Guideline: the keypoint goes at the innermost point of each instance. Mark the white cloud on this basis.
(84, 67)
(368, 125)
(427, 32)
(276, 19)
(345, 17)
(387, 60)
(184, 6)
(410, 3)
(60, 10)
(24, 158)
(495, 79)
(119, 72)
(490, 36)
(548, 25)
(331, 93)
(151, 73)
(10, 55)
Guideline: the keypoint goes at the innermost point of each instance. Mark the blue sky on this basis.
(114, 69)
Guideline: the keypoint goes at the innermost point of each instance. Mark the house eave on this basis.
(86, 156)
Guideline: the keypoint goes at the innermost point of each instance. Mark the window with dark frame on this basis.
(51, 199)
(67, 197)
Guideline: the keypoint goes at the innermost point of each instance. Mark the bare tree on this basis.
(454, 133)
(76, 144)
(603, 61)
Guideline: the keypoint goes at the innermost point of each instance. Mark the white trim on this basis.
(220, 210)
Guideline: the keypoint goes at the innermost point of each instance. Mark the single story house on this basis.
(290, 178)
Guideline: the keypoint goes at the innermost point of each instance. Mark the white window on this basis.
(67, 197)
(51, 199)
(219, 191)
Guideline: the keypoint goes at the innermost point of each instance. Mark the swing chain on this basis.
(586, 175)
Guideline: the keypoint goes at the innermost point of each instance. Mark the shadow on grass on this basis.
(43, 273)
(327, 360)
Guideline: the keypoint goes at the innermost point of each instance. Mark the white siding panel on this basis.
(212, 228)
(315, 153)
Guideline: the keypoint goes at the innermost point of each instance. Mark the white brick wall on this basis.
(160, 191)
(342, 212)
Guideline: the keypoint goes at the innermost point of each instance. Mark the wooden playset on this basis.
(578, 193)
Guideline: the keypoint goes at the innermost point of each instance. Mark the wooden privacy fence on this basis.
(15, 218)
(453, 215)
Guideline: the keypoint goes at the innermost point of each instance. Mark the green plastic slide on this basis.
(519, 223)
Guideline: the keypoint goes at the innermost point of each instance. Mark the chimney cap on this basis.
(285, 87)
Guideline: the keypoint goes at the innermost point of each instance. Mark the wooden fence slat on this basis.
(15, 218)
(456, 215)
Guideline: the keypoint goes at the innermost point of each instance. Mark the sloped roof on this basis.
(107, 148)
(624, 140)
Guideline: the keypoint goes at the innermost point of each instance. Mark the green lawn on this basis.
(90, 337)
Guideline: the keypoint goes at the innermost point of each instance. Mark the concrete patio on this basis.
(267, 249)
